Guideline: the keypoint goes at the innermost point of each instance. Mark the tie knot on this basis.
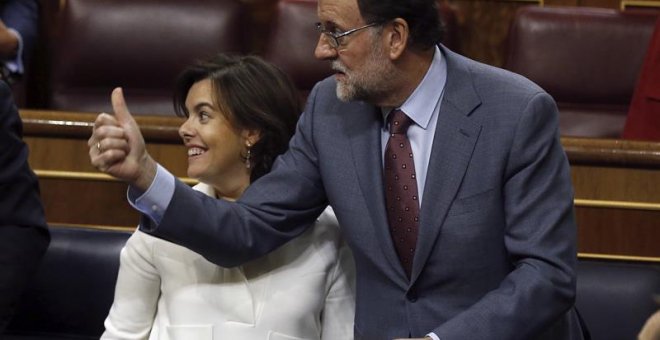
(399, 122)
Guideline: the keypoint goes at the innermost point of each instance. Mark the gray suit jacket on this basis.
(496, 251)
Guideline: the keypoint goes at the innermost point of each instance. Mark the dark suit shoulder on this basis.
(324, 90)
(20, 203)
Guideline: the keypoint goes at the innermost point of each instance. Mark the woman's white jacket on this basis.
(303, 290)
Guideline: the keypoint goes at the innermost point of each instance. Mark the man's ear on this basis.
(398, 34)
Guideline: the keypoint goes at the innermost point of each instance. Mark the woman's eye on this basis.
(203, 116)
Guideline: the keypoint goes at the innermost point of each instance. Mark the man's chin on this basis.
(343, 97)
(343, 92)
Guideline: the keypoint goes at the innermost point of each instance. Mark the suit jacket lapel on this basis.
(453, 144)
(363, 128)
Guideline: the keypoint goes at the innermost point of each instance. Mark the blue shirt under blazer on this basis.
(496, 251)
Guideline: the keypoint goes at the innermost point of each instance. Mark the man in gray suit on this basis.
(494, 240)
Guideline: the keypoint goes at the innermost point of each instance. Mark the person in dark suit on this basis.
(484, 249)
(23, 232)
(18, 34)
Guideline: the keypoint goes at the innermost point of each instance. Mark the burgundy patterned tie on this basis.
(401, 189)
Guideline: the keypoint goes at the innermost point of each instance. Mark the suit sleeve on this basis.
(23, 232)
(134, 308)
(22, 16)
(273, 210)
(540, 237)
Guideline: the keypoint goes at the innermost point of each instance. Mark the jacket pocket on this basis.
(471, 203)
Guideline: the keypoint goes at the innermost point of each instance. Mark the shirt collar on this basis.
(419, 106)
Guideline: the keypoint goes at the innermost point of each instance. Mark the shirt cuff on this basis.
(15, 65)
(156, 199)
(433, 336)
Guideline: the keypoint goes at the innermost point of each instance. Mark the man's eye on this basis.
(332, 29)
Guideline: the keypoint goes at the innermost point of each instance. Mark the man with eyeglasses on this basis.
(447, 177)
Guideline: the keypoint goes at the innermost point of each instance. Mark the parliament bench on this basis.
(615, 298)
(72, 291)
(73, 288)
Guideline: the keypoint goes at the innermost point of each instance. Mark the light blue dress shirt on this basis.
(423, 107)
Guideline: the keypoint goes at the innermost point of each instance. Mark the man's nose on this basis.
(323, 50)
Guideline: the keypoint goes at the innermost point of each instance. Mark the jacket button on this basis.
(411, 296)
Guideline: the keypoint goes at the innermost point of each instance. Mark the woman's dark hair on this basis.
(253, 95)
(422, 16)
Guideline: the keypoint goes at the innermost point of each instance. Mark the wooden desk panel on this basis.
(613, 231)
(71, 154)
(74, 192)
(617, 183)
(72, 198)
(617, 195)
(58, 140)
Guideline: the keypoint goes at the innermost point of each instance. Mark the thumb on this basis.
(119, 106)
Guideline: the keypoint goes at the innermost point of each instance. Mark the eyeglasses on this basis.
(335, 36)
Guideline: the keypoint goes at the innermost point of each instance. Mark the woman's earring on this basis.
(248, 155)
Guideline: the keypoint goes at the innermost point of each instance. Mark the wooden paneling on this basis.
(561, 3)
(483, 27)
(616, 184)
(58, 140)
(599, 3)
(617, 231)
(72, 198)
(616, 181)
(616, 195)
(261, 14)
(74, 192)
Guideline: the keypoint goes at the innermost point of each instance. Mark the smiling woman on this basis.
(236, 101)
(240, 113)
(215, 147)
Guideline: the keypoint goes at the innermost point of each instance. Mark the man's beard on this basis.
(371, 83)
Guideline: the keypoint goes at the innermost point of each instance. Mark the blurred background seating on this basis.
(587, 58)
(643, 120)
(139, 45)
(72, 291)
(615, 298)
(293, 38)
